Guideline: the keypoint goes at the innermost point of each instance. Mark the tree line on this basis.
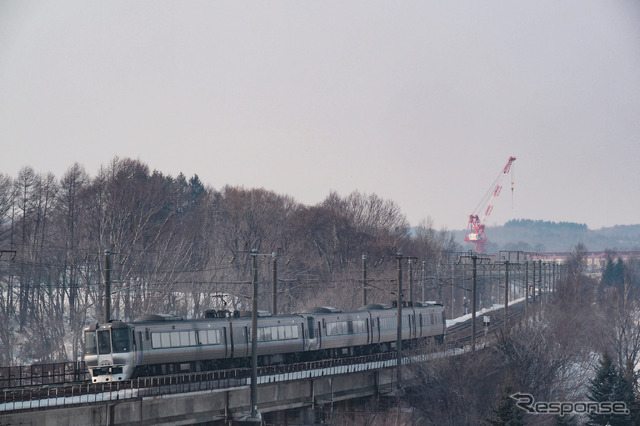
(580, 345)
(179, 246)
(546, 236)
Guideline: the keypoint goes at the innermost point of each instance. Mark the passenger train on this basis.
(166, 344)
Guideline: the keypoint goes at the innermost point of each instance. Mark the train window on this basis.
(156, 341)
(405, 321)
(291, 332)
(332, 328)
(266, 333)
(184, 338)
(359, 327)
(217, 335)
(339, 328)
(90, 346)
(120, 340)
(165, 339)
(209, 337)
(175, 339)
(388, 323)
(104, 341)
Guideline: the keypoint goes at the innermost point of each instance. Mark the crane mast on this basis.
(475, 228)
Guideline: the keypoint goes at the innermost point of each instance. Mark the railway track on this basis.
(458, 335)
(206, 380)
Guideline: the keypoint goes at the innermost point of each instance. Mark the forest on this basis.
(179, 247)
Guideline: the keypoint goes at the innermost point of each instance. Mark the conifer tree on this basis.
(610, 385)
(506, 412)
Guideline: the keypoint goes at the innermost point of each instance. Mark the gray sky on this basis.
(420, 102)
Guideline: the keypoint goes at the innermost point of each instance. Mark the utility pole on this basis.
(533, 282)
(474, 286)
(526, 286)
(364, 280)
(506, 291)
(424, 280)
(453, 289)
(540, 279)
(274, 284)
(474, 277)
(107, 286)
(399, 320)
(410, 282)
(254, 338)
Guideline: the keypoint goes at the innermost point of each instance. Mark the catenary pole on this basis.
(399, 320)
(254, 337)
(107, 286)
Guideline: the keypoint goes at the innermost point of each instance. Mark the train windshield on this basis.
(104, 341)
(120, 340)
(90, 346)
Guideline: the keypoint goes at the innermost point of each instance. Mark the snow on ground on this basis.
(467, 317)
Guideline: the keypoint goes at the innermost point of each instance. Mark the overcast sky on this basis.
(420, 102)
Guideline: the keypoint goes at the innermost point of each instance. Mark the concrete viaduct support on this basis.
(276, 400)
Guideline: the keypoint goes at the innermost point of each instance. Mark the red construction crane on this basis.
(475, 227)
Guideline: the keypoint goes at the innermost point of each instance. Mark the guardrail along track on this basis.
(43, 374)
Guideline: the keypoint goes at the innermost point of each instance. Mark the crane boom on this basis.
(475, 227)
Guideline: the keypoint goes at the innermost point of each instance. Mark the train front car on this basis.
(108, 352)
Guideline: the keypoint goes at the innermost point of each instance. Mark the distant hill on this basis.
(543, 236)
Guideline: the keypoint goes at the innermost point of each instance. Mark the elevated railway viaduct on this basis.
(295, 394)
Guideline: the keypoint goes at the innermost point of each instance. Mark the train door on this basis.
(310, 328)
(412, 326)
(416, 334)
(232, 344)
(369, 331)
(376, 330)
(226, 343)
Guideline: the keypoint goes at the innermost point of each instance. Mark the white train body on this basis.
(165, 344)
